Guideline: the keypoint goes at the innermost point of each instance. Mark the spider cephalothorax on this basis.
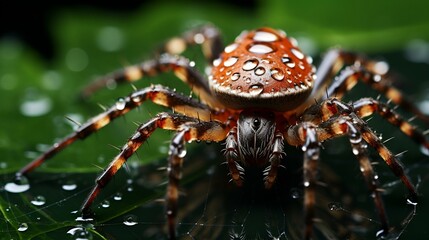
(262, 93)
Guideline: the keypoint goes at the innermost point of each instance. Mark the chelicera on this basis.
(261, 92)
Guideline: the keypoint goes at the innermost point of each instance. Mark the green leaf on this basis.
(360, 25)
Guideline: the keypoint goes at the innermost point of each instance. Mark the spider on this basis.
(261, 93)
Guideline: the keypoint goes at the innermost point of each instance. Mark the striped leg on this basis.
(335, 118)
(367, 106)
(189, 129)
(311, 149)
(310, 137)
(207, 36)
(333, 127)
(182, 68)
(232, 158)
(364, 107)
(359, 68)
(359, 148)
(270, 173)
(157, 94)
(206, 131)
(359, 135)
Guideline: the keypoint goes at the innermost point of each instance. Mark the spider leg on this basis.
(270, 173)
(311, 149)
(365, 107)
(359, 135)
(181, 66)
(358, 68)
(232, 158)
(311, 136)
(332, 128)
(359, 148)
(208, 131)
(189, 129)
(208, 36)
(334, 118)
(157, 94)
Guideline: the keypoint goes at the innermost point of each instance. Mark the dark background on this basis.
(30, 22)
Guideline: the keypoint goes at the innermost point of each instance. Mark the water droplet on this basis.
(277, 74)
(235, 76)
(20, 184)
(381, 67)
(230, 48)
(35, 105)
(424, 150)
(262, 36)
(381, 234)
(120, 104)
(230, 61)
(256, 89)
(38, 201)
(286, 59)
(3, 165)
(417, 50)
(110, 39)
(181, 152)
(335, 206)
(376, 78)
(293, 41)
(69, 186)
(297, 53)
(76, 59)
(290, 64)
(117, 197)
(296, 193)
(260, 49)
(306, 183)
(130, 220)
(260, 71)
(111, 84)
(250, 64)
(52, 80)
(80, 233)
(217, 62)
(84, 220)
(136, 97)
(22, 227)
(105, 204)
(199, 38)
(411, 202)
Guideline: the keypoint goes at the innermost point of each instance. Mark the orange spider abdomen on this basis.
(262, 69)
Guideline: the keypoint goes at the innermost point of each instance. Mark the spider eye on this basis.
(256, 123)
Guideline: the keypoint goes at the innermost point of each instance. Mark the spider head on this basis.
(262, 69)
(255, 134)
